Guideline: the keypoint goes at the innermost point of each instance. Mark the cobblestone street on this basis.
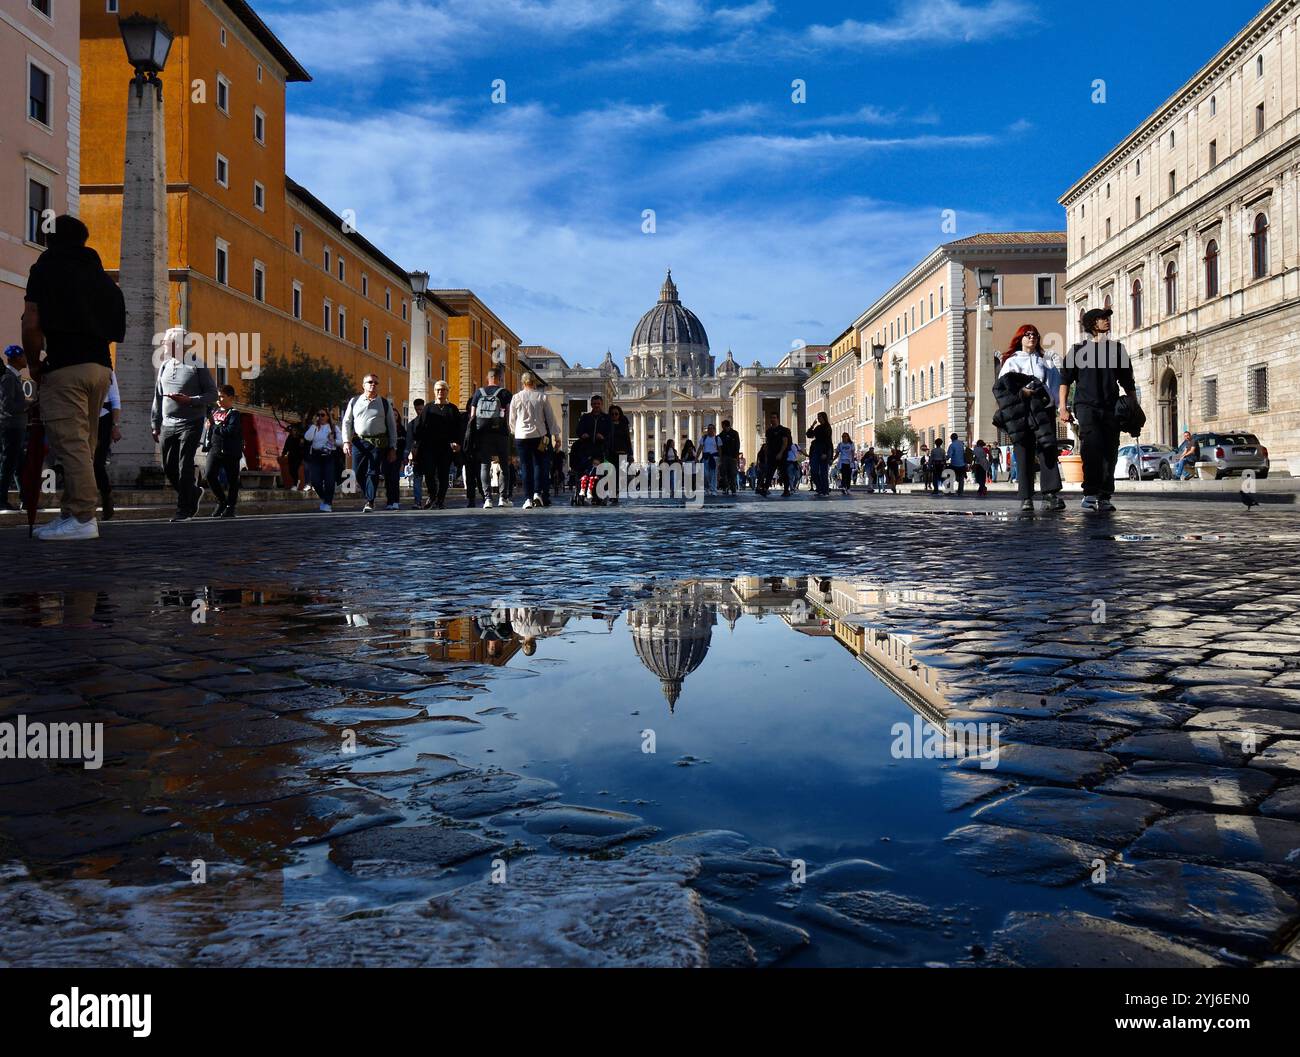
(1143, 670)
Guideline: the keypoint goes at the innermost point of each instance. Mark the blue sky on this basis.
(781, 221)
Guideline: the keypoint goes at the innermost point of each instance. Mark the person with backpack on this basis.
(980, 465)
(369, 437)
(322, 441)
(937, 465)
(183, 393)
(730, 459)
(489, 431)
(417, 482)
(223, 442)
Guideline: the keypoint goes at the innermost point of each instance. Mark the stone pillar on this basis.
(142, 275)
(418, 376)
(695, 426)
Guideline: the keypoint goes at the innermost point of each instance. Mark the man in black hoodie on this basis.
(1097, 368)
(73, 312)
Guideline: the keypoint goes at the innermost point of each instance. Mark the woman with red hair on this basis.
(1026, 392)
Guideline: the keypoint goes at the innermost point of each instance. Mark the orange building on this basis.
(475, 338)
(251, 253)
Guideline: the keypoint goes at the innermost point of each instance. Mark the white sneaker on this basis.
(537, 499)
(49, 527)
(487, 504)
(325, 508)
(502, 502)
(528, 504)
(69, 528)
(367, 509)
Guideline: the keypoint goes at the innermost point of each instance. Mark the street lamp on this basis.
(145, 250)
(986, 278)
(148, 42)
(419, 287)
(878, 410)
(982, 409)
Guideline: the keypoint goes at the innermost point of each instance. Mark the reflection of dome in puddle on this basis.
(671, 634)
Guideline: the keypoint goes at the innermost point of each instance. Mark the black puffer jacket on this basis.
(1028, 420)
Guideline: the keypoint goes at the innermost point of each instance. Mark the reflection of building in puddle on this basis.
(849, 606)
(671, 631)
(58, 609)
(488, 638)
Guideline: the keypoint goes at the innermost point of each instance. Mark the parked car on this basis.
(1234, 453)
(1140, 462)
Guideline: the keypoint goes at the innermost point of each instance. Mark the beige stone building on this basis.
(927, 330)
(40, 138)
(1189, 230)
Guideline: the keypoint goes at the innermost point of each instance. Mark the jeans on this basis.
(820, 471)
(217, 465)
(1185, 469)
(179, 443)
(1099, 439)
(981, 478)
(846, 476)
(320, 475)
(1041, 462)
(959, 473)
(711, 473)
(537, 479)
(727, 473)
(417, 485)
(368, 465)
(13, 444)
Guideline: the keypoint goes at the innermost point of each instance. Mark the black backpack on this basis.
(490, 411)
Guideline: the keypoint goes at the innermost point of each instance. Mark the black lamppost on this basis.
(148, 42)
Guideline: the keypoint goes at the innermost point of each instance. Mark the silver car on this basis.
(1141, 462)
(1234, 453)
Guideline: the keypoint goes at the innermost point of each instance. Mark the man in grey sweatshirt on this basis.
(370, 437)
(182, 395)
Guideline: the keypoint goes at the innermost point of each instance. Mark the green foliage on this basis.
(895, 433)
(294, 388)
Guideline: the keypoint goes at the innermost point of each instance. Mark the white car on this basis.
(1154, 460)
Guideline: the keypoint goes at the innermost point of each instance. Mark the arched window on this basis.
(1171, 288)
(1259, 247)
(942, 386)
(911, 390)
(1107, 302)
(1212, 269)
(1137, 304)
(933, 391)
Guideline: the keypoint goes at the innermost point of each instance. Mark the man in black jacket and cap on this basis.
(1097, 367)
(73, 312)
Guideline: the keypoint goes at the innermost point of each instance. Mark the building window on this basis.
(327, 258)
(259, 196)
(111, 7)
(1083, 246)
(365, 285)
(1046, 290)
(1171, 288)
(327, 317)
(1137, 208)
(342, 271)
(1173, 183)
(1108, 227)
(932, 389)
(259, 281)
(223, 262)
(1257, 388)
(1212, 269)
(943, 385)
(223, 171)
(1108, 190)
(223, 36)
(365, 335)
(39, 84)
(1259, 66)
(41, 6)
(403, 311)
(404, 353)
(1083, 210)
(343, 323)
(38, 202)
(1214, 105)
(932, 306)
(223, 93)
(1107, 302)
(297, 240)
(297, 300)
(259, 126)
(1171, 139)
(259, 73)
(388, 346)
(941, 299)
(1210, 398)
(1214, 153)
(1259, 247)
(1137, 304)
(388, 299)
(1139, 167)
(1259, 120)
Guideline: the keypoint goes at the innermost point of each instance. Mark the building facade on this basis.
(938, 347)
(251, 253)
(40, 131)
(1189, 231)
(476, 339)
(672, 386)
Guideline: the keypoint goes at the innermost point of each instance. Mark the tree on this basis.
(294, 388)
(895, 433)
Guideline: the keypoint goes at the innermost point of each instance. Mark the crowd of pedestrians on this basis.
(503, 441)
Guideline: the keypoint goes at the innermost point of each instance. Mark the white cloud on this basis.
(928, 22)
(517, 207)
